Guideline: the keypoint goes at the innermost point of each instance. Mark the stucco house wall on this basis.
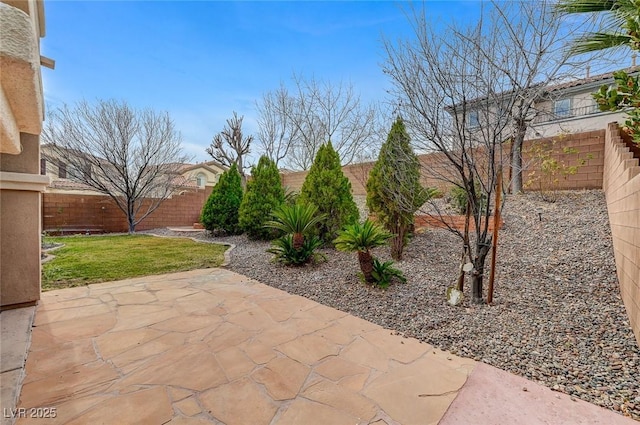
(21, 116)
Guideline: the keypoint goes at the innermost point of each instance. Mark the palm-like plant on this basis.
(622, 26)
(297, 220)
(361, 238)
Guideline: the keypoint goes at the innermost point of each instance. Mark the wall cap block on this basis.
(23, 181)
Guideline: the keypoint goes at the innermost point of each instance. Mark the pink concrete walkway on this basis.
(214, 347)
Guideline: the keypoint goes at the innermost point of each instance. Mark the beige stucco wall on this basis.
(21, 115)
(21, 100)
(622, 189)
(576, 124)
(20, 271)
(211, 173)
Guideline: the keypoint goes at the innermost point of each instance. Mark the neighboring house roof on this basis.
(59, 183)
(183, 182)
(589, 80)
(568, 85)
(206, 165)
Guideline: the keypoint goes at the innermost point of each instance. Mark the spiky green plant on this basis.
(384, 272)
(285, 252)
(621, 27)
(361, 238)
(298, 220)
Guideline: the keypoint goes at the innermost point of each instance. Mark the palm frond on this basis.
(295, 218)
(361, 237)
(585, 6)
(599, 41)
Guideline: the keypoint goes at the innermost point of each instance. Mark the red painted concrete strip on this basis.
(494, 397)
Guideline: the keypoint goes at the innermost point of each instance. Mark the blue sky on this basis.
(202, 60)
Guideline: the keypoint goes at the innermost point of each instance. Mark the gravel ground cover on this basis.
(557, 316)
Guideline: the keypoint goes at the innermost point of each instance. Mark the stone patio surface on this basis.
(215, 347)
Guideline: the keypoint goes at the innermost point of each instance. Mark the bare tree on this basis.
(448, 91)
(230, 146)
(132, 156)
(276, 130)
(316, 112)
(532, 55)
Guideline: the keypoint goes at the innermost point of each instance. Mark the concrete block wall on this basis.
(75, 213)
(588, 176)
(589, 145)
(622, 190)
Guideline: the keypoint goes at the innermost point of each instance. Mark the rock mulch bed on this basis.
(557, 316)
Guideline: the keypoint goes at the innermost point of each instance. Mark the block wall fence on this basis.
(75, 213)
(586, 145)
(622, 190)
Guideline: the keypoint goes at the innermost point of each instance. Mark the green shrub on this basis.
(285, 252)
(298, 220)
(297, 247)
(361, 238)
(394, 192)
(459, 198)
(329, 190)
(263, 195)
(384, 272)
(290, 196)
(220, 212)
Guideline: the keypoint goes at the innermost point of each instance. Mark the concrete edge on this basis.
(13, 401)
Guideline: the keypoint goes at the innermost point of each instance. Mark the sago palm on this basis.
(361, 238)
(622, 24)
(297, 220)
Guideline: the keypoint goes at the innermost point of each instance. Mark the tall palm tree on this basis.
(622, 23)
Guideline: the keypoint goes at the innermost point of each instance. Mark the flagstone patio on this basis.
(214, 347)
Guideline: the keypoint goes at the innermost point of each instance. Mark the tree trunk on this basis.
(516, 157)
(298, 241)
(366, 265)
(397, 242)
(478, 272)
(130, 217)
(397, 246)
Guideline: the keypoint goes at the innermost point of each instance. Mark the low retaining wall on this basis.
(622, 191)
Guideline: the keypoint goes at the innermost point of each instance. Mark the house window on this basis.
(474, 119)
(562, 108)
(87, 171)
(62, 170)
(43, 166)
(201, 179)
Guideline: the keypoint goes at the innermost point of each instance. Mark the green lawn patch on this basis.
(93, 259)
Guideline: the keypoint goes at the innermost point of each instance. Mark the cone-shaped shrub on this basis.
(263, 196)
(220, 212)
(327, 188)
(394, 192)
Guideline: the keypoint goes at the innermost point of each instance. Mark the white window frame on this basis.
(562, 107)
(473, 118)
(201, 180)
